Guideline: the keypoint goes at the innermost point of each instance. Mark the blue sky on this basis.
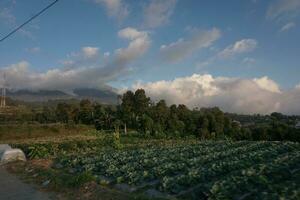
(125, 42)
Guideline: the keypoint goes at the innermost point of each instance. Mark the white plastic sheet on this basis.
(7, 154)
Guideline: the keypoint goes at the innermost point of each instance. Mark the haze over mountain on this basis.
(105, 96)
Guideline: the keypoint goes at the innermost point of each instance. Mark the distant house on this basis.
(297, 126)
(237, 123)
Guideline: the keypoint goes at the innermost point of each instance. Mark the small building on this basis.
(237, 123)
(297, 126)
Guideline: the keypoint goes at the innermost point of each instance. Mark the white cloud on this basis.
(283, 9)
(139, 44)
(239, 47)
(14, 73)
(260, 95)
(85, 57)
(90, 52)
(115, 8)
(80, 69)
(287, 26)
(132, 33)
(158, 12)
(267, 84)
(183, 48)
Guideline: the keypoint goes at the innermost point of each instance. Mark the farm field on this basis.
(216, 170)
(183, 169)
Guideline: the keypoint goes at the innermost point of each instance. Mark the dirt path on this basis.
(11, 188)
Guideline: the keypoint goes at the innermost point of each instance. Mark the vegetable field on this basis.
(214, 170)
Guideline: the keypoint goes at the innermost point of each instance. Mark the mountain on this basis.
(104, 95)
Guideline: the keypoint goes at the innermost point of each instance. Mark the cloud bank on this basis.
(82, 69)
(259, 95)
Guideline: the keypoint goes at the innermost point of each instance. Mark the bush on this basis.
(59, 179)
(159, 135)
(37, 152)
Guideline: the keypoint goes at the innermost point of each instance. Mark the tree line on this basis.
(139, 113)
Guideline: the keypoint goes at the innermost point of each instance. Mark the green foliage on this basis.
(214, 170)
(37, 152)
(22, 132)
(62, 179)
(141, 102)
(80, 179)
(50, 149)
(62, 112)
(85, 114)
(116, 141)
(158, 120)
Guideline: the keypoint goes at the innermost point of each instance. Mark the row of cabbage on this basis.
(208, 169)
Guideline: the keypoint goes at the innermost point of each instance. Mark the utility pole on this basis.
(3, 98)
(3, 93)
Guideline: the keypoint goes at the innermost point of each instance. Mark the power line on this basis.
(29, 20)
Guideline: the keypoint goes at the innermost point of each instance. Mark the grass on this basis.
(34, 132)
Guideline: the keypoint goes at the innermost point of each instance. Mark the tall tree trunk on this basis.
(125, 129)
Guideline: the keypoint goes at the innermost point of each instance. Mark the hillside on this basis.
(107, 95)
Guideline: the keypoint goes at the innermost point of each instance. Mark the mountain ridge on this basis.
(105, 95)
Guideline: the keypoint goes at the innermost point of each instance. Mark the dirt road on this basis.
(11, 188)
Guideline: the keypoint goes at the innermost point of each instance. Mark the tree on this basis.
(228, 127)
(278, 131)
(175, 127)
(183, 113)
(109, 117)
(203, 127)
(86, 112)
(161, 113)
(141, 102)
(127, 109)
(75, 115)
(63, 112)
(277, 116)
(260, 133)
(147, 124)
